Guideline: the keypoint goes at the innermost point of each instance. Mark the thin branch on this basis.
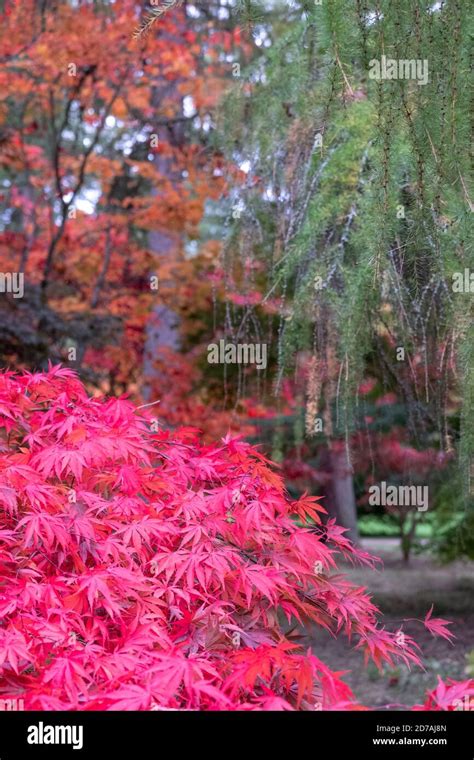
(338, 61)
(156, 14)
(466, 194)
(152, 403)
(65, 205)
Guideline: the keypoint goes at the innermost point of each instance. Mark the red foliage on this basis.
(144, 571)
(437, 626)
(455, 695)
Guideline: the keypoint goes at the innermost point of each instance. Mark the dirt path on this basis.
(402, 591)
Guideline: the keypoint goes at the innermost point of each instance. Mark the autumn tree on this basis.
(141, 570)
(102, 146)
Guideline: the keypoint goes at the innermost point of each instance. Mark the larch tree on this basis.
(353, 126)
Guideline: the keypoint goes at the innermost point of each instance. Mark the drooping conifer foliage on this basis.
(355, 213)
(144, 571)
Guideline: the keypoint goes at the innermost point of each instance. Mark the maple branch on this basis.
(165, 122)
(35, 38)
(14, 56)
(94, 142)
(302, 594)
(65, 205)
(58, 132)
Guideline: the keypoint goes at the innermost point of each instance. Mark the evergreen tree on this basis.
(353, 128)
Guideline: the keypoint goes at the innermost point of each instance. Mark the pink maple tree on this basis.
(141, 569)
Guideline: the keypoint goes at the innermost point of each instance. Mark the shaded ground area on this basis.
(402, 591)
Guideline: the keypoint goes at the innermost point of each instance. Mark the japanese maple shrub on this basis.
(144, 570)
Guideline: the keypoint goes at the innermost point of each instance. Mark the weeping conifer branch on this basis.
(154, 16)
(384, 277)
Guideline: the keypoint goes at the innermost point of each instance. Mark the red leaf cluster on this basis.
(143, 570)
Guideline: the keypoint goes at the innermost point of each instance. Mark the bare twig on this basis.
(152, 403)
(466, 194)
(348, 85)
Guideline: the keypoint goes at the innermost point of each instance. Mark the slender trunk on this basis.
(340, 501)
(103, 272)
(163, 327)
(50, 255)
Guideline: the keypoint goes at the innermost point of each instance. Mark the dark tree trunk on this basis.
(340, 497)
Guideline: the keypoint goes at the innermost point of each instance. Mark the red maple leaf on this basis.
(437, 626)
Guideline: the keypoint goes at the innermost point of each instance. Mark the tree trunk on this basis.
(340, 497)
(162, 330)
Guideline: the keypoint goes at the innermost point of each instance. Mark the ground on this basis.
(407, 591)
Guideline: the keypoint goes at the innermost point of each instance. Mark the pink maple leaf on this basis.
(437, 626)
